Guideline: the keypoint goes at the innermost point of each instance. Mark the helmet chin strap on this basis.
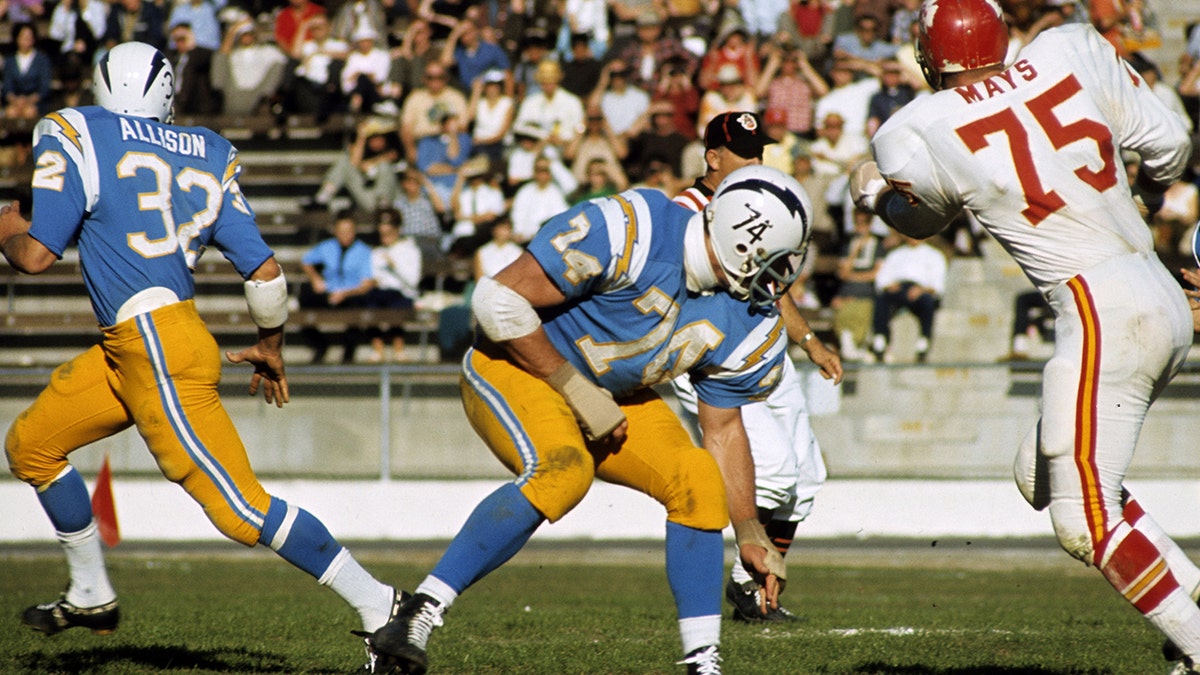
(696, 262)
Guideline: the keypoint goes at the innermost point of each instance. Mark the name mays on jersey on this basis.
(995, 85)
(185, 143)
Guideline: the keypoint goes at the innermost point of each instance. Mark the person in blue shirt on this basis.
(142, 199)
(611, 297)
(468, 54)
(339, 276)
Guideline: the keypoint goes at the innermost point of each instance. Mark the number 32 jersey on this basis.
(142, 200)
(629, 321)
(1034, 153)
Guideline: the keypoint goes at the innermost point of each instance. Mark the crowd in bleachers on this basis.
(474, 110)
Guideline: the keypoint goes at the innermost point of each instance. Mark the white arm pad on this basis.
(267, 301)
(502, 313)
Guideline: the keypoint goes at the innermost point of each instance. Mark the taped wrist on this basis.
(595, 410)
(502, 313)
(267, 301)
(750, 532)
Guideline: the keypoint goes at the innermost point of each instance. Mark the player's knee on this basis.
(1071, 529)
(1031, 471)
(560, 481)
(16, 463)
(696, 497)
(26, 465)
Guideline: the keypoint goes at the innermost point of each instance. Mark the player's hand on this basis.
(597, 413)
(827, 360)
(761, 559)
(267, 358)
(866, 183)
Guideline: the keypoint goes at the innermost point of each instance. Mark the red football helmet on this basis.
(958, 35)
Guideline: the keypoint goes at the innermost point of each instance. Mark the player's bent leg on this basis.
(89, 601)
(530, 429)
(1182, 568)
(1137, 570)
(171, 387)
(659, 459)
(75, 409)
(304, 541)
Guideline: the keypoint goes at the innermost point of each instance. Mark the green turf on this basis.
(247, 614)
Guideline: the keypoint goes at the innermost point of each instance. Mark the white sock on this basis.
(1182, 568)
(367, 595)
(438, 590)
(85, 560)
(1178, 617)
(700, 631)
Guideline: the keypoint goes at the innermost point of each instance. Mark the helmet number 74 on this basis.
(1039, 201)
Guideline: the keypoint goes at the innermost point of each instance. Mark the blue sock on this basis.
(67, 503)
(695, 569)
(498, 528)
(298, 537)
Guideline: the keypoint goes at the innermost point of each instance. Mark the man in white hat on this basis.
(365, 73)
(553, 108)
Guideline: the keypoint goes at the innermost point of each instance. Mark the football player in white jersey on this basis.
(788, 467)
(1033, 150)
(142, 198)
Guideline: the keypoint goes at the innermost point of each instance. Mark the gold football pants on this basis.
(530, 429)
(160, 371)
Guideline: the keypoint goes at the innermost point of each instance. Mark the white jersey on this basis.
(1034, 153)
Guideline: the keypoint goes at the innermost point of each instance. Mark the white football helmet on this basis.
(759, 222)
(134, 78)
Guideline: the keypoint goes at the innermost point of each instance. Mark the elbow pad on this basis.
(267, 301)
(502, 313)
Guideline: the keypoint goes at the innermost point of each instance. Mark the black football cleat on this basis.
(744, 598)
(54, 617)
(375, 664)
(400, 645)
(703, 661)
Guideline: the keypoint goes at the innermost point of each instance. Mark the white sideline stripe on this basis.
(896, 631)
(152, 509)
(902, 631)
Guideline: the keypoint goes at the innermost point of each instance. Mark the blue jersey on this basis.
(142, 200)
(629, 321)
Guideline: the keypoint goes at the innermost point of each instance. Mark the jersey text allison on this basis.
(184, 143)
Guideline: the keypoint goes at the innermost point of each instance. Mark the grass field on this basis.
(908, 610)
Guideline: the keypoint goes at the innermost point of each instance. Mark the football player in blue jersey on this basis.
(611, 297)
(143, 199)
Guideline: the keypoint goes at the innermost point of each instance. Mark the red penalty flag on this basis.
(104, 509)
